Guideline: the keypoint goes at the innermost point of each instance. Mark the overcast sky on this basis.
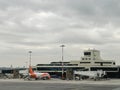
(43, 25)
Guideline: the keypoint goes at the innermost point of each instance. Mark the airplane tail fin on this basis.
(30, 70)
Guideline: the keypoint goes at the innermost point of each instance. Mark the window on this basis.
(87, 53)
(104, 62)
(113, 63)
(84, 62)
(101, 64)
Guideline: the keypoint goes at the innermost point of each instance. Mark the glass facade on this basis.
(104, 68)
(58, 68)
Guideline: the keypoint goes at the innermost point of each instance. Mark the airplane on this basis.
(37, 75)
(96, 75)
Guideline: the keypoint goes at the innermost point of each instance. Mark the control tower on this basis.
(92, 58)
(91, 55)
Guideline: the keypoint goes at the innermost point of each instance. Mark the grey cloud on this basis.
(42, 25)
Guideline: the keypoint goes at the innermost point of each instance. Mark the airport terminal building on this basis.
(91, 61)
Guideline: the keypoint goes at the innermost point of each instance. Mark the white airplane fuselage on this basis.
(38, 75)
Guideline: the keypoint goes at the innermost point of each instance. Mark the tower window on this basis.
(87, 53)
(113, 63)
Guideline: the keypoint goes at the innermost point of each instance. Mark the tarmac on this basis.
(59, 81)
(57, 84)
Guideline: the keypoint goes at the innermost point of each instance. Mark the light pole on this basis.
(30, 58)
(62, 46)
